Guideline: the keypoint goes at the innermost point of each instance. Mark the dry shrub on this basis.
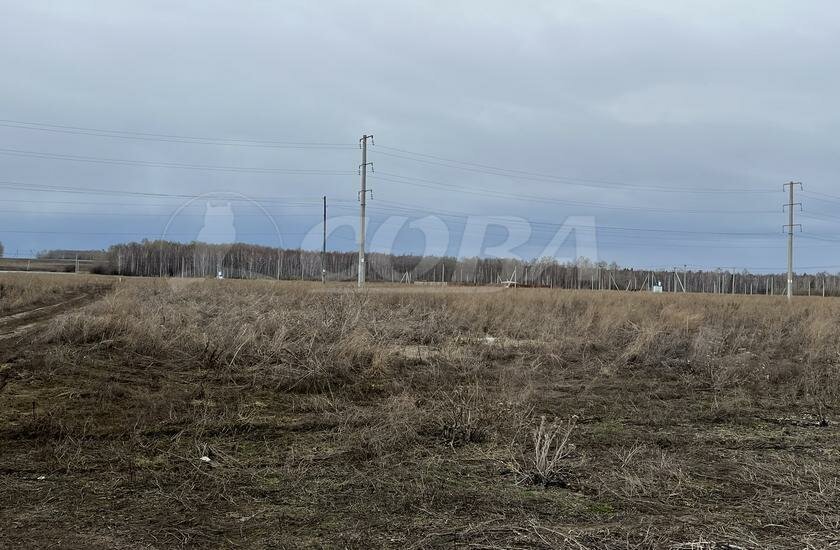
(464, 416)
(544, 461)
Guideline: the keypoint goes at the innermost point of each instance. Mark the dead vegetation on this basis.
(23, 291)
(542, 463)
(243, 414)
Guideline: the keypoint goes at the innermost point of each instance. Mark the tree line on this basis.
(247, 261)
(67, 254)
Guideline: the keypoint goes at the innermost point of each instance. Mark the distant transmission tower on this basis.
(790, 225)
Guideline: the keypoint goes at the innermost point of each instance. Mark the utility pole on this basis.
(324, 246)
(363, 201)
(680, 283)
(790, 225)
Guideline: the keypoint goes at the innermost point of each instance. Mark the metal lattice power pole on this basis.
(363, 201)
(790, 225)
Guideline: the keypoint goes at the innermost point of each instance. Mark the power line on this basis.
(662, 242)
(444, 213)
(393, 207)
(418, 182)
(294, 201)
(177, 165)
(170, 138)
(819, 238)
(474, 191)
(148, 233)
(825, 196)
(819, 216)
(20, 186)
(145, 214)
(534, 226)
(534, 176)
(284, 202)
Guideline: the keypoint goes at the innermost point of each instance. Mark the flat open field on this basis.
(43, 265)
(23, 292)
(204, 413)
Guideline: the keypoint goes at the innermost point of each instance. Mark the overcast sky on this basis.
(670, 125)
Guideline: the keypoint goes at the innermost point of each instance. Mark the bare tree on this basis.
(240, 260)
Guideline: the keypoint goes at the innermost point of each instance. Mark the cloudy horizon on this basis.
(673, 126)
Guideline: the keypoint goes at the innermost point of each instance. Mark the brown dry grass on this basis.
(390, 418)
(22, 291)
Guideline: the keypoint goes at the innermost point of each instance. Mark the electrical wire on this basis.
(169, 138)
(418, 182)
(20, 186)
(533, 176)
(176, 165)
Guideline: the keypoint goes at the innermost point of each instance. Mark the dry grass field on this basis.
(191, 413)
(25, 291)
(44, 265)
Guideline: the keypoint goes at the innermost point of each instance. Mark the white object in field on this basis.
(220, 276)
(205, 459)
(657, 288)
(510, 282)
(490, 339)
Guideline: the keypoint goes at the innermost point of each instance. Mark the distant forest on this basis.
(247, 261)
(62, 254)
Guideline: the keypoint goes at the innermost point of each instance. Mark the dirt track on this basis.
(16, 326)
(19, 323)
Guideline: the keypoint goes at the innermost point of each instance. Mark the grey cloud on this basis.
(695, 95)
